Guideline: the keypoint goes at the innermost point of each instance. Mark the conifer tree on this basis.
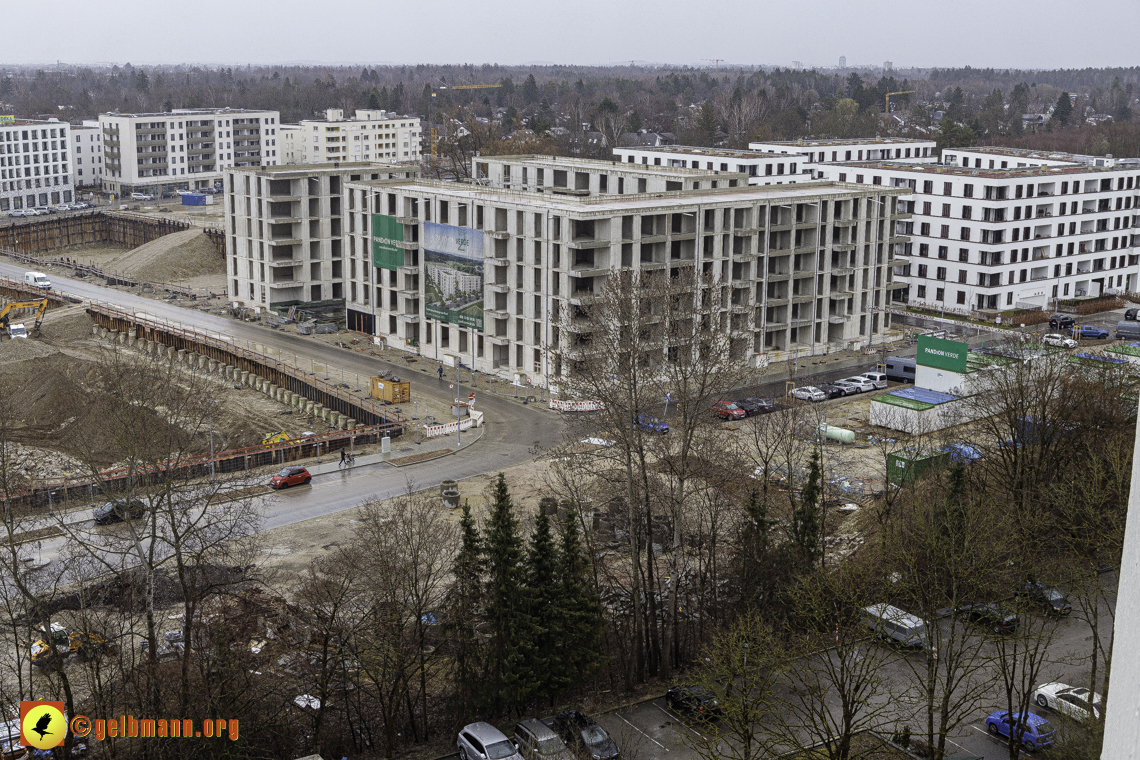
(544, 602)
(580, 612)
(464, 601)
(508, 681)
(805, 527)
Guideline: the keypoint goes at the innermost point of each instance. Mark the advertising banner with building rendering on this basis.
(453, 274)
(386, 232)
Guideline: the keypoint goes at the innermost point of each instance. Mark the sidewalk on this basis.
(405, 451)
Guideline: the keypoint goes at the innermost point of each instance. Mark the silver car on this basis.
(482, 741)
(862, 383)
(1058, 340)
(537, 741)
(809, 393)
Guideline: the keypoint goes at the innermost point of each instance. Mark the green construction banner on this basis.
(386, 232)
(943, 354)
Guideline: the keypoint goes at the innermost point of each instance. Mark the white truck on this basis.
(37, 280)
(17, 331)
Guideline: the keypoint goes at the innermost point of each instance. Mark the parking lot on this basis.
(650, 730)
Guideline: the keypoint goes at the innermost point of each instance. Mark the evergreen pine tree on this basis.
(805, 527)
(707, 124)
(543, 599)
(580, 612)
(464, 600)
(1063, 111)
(508, 680)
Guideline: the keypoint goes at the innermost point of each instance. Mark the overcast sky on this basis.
(980, 33)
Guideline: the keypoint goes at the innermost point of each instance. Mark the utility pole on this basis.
(458, 408)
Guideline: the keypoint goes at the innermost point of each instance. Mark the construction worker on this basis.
(441, 372)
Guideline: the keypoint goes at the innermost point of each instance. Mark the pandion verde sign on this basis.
(386, 233)
(943, 354)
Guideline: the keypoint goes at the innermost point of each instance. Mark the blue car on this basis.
(1034, 731)
(1090, 331)
(650, 424)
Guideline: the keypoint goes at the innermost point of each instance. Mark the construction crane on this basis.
(40, 306)
(887, 113)
(434, 131)
(716, 62)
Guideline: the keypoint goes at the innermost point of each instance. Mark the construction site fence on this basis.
(17, 290)
(49, 493)
(331, 396)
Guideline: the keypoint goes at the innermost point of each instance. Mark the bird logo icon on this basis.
(42, 724)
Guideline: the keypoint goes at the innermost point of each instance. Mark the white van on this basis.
(896, 626)
(878, 379)
(37, 280)
(17, 331)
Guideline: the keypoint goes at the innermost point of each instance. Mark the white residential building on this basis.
(35, 165)
(994, 239)
(855, 149)
(806, 264)
(185, 149)
(285, 229)
(762, 168)
(87, 142)
(370, 135)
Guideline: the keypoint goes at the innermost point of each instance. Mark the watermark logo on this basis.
(42, 724)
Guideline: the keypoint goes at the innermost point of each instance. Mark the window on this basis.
(967, 212)
(961, 296)
(928, 187)
(922, 270)
(940, 273)
(946, 230)
(926, 208)
(965, 233)
(964, 254)
(962, 276)
(968, 192)
(922, 291)
(943, 251)
(924, 249)
(946, 209)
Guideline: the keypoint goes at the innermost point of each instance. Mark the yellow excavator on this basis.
(39, 306)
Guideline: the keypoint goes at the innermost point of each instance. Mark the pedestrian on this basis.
(441, 372)
(342, 456)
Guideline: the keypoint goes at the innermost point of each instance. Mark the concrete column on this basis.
(95, 329)
(212, 367)
(102, 333)
(350, 424)
(122, 339)
(243, 378)
(132, 332)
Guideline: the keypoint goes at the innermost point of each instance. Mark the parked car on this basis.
(63, 207)
(862, 383)
(809, 393)
(1052, 601)
(756, 405)
(538, 741)
(836, 391)
(1058, 340)
(650, 424)
(992, 615)
(1127, 330)
(482, 741)
(141, 197)
(1033, 730)
(81, 205)
(878, 379)
(1071, 701)
(1061, 321)
(19, 212)
(727, 410)
(900, 368)
(849, 388)
(1090, 332)
(290, 476)
(582, 733)
(1130, 315)
(694, 700)
(113, 513)
(896, 626)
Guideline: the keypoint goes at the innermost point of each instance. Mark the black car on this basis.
(694, 700)
(117, 512)
(756, 405)
(1061, 321)
(991, 615)
(1052, 601)
(582, 734)
(833, 391)
(1130, 315)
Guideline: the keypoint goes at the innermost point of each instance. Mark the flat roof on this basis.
(997, 150)
(843, 141)
(691, 150)
(190, 112)
(1010, 173)
(34, 122)
(323, 167)
(603, 165)
(630, 201)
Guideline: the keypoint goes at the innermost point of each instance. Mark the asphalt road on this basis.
(513, 431)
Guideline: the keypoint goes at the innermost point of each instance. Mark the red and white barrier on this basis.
(475, 420)
(576, 406)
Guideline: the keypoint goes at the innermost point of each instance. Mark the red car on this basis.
(728, 411)
(291, 476)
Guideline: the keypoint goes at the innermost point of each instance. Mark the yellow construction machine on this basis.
(5, 313)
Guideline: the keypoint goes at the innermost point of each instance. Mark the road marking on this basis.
(638, 730)
(676, 719)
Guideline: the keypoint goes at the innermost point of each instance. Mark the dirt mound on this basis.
(174, 257)
(22, 349)
(66, 325)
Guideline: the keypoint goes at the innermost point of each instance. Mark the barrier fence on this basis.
(474, 420)
(576, 406)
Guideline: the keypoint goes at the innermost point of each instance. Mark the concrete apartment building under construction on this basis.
(806, 263)
(285, 230)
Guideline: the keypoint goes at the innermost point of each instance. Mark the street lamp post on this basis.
(212, 402)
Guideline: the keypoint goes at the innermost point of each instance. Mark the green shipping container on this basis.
(905, 467)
